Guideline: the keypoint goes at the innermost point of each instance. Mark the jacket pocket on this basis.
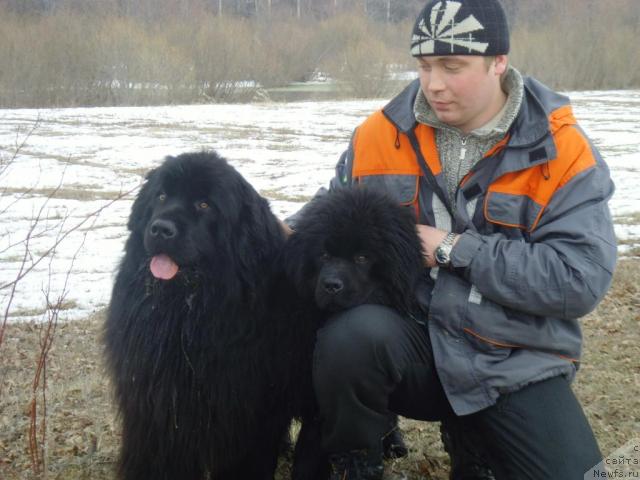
(401, 188)
(499, 327)
(487, 327)
(512, 210)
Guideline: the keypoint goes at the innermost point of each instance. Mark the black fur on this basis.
(208, 368)
(351, 247)
(356, 246)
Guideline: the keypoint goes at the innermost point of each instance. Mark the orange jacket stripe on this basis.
(381, 157)
(427, 138)
(510, 345)
(497, 147)
(539, 183)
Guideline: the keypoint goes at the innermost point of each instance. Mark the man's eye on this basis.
(325, 256)
(162, 197)
(361, 259)
(452, 68)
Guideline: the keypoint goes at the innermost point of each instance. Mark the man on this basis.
(511, 198)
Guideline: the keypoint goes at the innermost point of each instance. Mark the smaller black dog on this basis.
(352, 247)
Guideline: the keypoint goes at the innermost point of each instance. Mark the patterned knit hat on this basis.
(461, 27)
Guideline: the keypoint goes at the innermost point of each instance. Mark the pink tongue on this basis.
(163, 267)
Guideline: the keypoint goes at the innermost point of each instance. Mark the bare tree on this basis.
(39, 227)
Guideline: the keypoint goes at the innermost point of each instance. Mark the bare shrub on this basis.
(182, 52)
(20, 246)
(586, 45)
(223, 56)
(359, 61)
(142, 65)
(285, 52)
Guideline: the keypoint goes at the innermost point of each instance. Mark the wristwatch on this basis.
(443, 251)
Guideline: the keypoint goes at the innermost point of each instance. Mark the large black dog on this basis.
(208, 367)
(350, 247)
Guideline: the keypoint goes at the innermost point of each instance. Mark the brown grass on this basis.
(274, 194)
(33, 312)
(84, 430)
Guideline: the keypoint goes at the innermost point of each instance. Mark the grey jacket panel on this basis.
(517, 210)
(565, 268)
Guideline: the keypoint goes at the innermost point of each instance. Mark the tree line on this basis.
(151, 10)
(140, 52)
(527, 12)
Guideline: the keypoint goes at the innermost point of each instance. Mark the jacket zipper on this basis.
(463, 150)
(463, 155)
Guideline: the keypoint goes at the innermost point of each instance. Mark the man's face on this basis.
(462, 90)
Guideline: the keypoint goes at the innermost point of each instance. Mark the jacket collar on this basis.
(399, 111)
(530, 132)
(530, 125)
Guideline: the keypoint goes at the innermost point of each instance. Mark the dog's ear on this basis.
(404, 261)
(298, 262)
(141, 205)
(313, 224)
(151, 172)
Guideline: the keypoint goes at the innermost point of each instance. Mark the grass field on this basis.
(83, 430)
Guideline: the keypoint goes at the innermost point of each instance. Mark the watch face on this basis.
(441, 256)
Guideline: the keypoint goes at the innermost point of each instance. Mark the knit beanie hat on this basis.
(461, 27)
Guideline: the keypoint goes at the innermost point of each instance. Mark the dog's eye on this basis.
(361, 259)
(162, 197)
(203, 205)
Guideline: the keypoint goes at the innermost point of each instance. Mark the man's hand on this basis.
(431, 237)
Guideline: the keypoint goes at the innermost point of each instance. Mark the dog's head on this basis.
(356, 246)
(195, 212)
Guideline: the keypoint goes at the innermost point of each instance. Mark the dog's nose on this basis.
(333, 285)
(165, 229)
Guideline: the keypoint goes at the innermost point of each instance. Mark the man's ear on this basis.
(501, 64)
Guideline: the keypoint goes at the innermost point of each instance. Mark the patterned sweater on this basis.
(460, 152)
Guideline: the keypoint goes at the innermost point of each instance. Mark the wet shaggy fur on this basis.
(208, 367)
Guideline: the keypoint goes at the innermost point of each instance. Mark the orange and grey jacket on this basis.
(537, 248)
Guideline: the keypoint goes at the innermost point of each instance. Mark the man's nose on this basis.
(435, 82)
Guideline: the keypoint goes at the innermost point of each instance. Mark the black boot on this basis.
(393, 445)
(467, 462)
(357, 465)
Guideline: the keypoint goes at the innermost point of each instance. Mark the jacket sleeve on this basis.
(565, 268)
